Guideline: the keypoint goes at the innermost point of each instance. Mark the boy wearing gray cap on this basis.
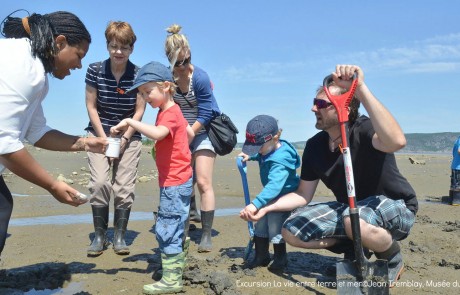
(155, 84)
(278, 161)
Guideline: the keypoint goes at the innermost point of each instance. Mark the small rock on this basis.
(143, 179)
(417, 162)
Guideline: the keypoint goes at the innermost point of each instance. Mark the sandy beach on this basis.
(46, 247)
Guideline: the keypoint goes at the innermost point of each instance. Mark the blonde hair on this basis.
(172, 87)
(175, 43)
(278, 134)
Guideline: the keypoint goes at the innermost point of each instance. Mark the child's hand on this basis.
(248, 211)
(244, 156)
(120, 128)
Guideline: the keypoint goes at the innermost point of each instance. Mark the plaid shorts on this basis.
(325, 220)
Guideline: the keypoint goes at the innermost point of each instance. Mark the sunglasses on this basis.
(321, 103)
(185, 62)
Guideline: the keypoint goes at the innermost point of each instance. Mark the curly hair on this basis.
(42, 30)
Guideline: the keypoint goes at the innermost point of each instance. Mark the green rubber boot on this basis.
(158, 274)
(171, 281)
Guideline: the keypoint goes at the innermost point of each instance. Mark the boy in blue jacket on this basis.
(278, 161)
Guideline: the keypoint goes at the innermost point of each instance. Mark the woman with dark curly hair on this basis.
(35, 46)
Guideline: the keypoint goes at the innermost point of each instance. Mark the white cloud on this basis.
(436, 55)
(440, 54)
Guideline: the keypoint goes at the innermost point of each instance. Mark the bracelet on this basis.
(124, 137)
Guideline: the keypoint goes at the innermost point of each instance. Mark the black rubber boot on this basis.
(100, 220)
(120, 222)
(6, 208)
(346, 248)
(262, 257)
(455, 201)
(194, 215)
(395, 262)
(207, 217)
(280, 259)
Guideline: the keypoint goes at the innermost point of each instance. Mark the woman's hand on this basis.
(124, 141)
(95, 144)
(64, 193)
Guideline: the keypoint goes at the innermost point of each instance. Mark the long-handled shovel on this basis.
(360, 276)
(243, 170)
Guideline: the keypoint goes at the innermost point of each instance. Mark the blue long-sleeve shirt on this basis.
(277, 173)
(207, 104)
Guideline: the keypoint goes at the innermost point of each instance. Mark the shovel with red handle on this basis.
(359, 276)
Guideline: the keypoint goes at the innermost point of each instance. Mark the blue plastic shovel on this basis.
(243, 170)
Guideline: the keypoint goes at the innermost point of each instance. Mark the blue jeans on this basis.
(172, 215)
(270, 226)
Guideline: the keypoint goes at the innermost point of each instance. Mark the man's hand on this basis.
(251, 213)
(343, 75)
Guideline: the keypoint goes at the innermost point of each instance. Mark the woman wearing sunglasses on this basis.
(198, 104)
(108, 104)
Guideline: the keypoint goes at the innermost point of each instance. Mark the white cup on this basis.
(113, 149)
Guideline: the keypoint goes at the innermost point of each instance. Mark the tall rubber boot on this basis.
(6, 208)
(207, 218)
(120, 222)
(171, 281)
(194, 215)
(395, 262)
(280, 259)
(100, 220)
(158, 273)
(262, 257)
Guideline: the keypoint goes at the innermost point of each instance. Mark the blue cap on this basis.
(259, 130)
(152, 72)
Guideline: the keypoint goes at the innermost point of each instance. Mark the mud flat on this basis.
(52, 255)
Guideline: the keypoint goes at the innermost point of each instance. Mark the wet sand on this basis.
(53, 255)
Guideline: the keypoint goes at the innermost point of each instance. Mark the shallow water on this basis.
(71, 288)
(88, 218)
(135, 216)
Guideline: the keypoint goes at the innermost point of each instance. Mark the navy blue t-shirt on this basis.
(113, 104)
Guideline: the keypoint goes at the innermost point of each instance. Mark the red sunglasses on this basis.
(321, 103)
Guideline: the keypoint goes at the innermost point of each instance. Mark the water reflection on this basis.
(71, 288)
(88, 218)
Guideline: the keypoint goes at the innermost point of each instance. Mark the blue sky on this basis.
(268, 57)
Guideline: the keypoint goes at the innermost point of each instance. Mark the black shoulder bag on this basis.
(222, 134)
